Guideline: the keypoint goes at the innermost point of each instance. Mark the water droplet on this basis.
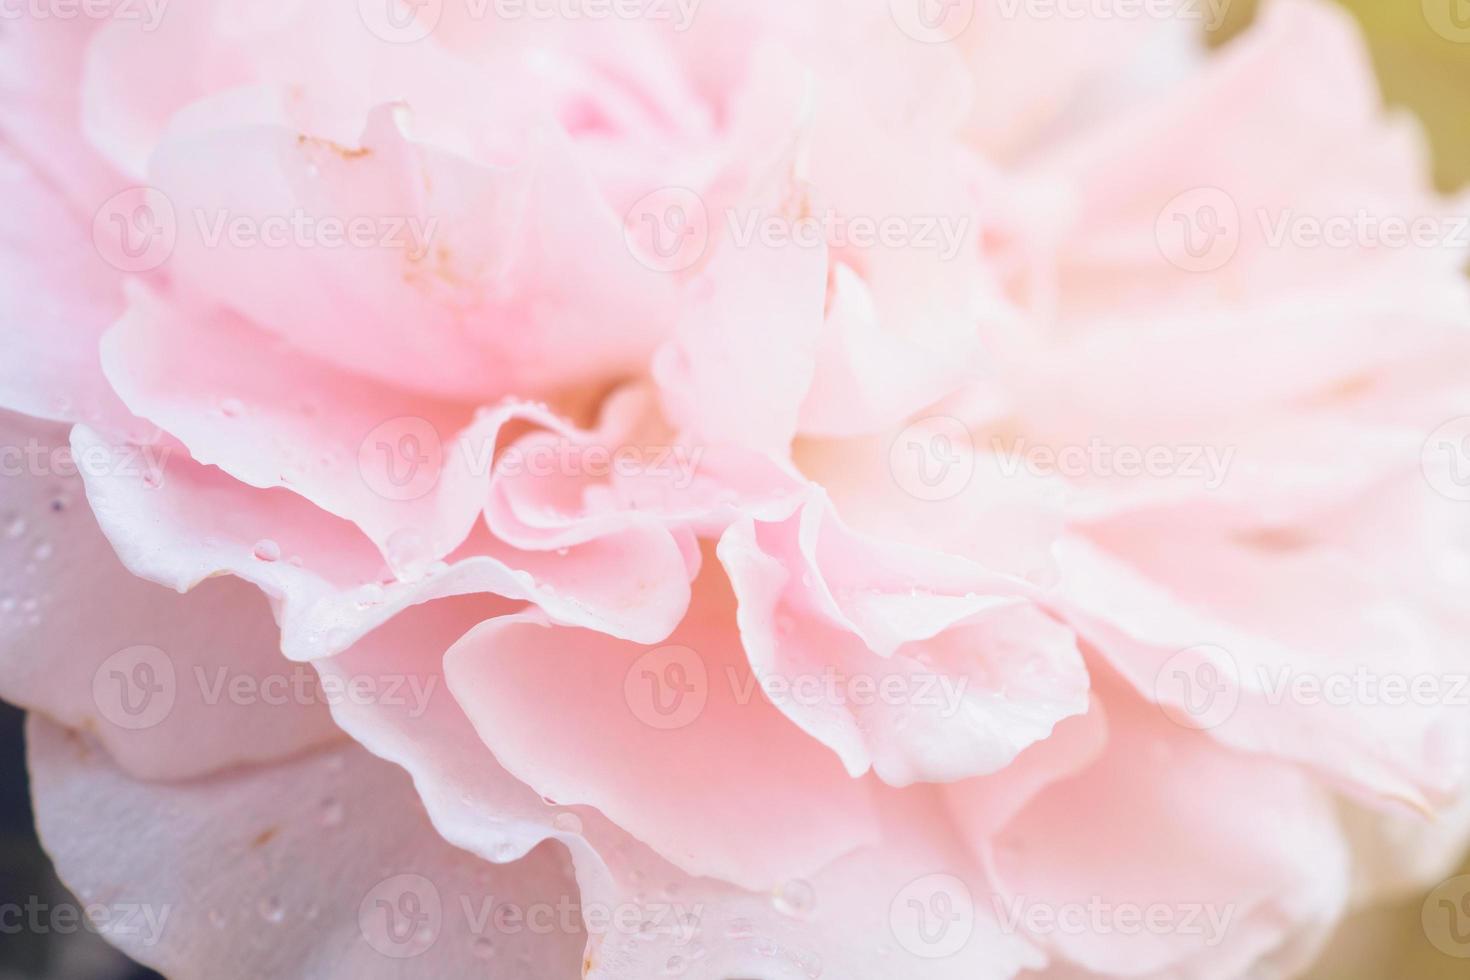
(563, 551)
(767, 947)
(810, 963)
(795, 898)
(15, 527)
(483, 948)
(43, 551)
(369, 595)
(568, 821)
(408, 551)
(267, 550)
(231, 408)
(272, 910)
(740, 929)
(30, 604)
(333, 813)
(675, 965)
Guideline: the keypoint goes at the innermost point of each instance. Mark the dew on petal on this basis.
(267, 550)
(332, 813)
(795, 898)
(272, 910)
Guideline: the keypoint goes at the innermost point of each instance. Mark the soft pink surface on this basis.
(773, 530)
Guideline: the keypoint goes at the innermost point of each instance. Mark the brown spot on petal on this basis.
(346, 153)
(264, 837)
(1279, 539)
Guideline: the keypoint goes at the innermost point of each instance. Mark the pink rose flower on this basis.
(858, 490)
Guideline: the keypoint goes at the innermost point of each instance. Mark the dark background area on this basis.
(25, 873)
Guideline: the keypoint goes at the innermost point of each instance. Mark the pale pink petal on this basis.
(1242, 856)
(329, 585)
(916, 665)
(850, 919)
(503, 271)
(173, 685)
(59, 296)
(231, 900)
(1246, 612)
(564, 710)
